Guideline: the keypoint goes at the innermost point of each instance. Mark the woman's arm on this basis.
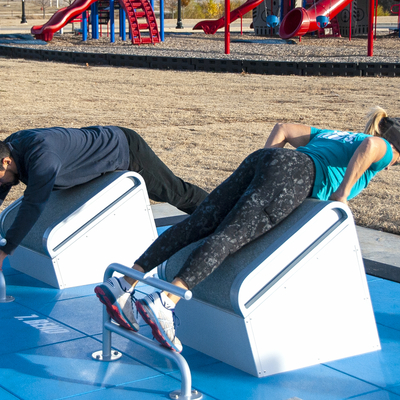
(369, 151)
(295, 134)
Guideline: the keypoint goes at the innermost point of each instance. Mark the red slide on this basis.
(59, 19)
(212, 26)
(300, 21)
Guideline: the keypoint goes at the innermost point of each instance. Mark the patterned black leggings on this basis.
(266, 188)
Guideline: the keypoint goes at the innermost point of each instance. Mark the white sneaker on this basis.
(161, 320)
(120, 304)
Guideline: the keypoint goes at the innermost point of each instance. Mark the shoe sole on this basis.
(148, 316)
(113, 309)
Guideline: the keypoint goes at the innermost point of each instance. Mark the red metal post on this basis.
(351, 16)
(227, 24)
(371, 28)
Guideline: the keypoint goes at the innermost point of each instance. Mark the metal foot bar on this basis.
(3, 296)
(110, 355)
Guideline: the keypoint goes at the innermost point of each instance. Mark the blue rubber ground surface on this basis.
(47, 337)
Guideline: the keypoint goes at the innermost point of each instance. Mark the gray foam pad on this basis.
(61, 204)
(216, 288)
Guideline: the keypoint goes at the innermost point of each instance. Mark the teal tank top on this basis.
(331, 152)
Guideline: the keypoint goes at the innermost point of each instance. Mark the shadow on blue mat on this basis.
(19, 38)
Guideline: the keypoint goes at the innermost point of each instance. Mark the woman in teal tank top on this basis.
(268, 185)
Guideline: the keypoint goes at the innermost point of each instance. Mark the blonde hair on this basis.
(374, 117)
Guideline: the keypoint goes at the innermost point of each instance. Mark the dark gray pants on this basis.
(162, 185)
(265, 189)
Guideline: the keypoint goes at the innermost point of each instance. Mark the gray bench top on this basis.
(380, 250)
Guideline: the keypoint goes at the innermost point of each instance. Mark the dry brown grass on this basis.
(200, 124)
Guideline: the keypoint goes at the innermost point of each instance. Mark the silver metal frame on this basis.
(3, 296)
(107, 354)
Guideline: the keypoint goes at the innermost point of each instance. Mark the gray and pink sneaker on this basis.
(161, 320)
(120, 304)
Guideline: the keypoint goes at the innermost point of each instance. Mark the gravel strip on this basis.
(243, 47)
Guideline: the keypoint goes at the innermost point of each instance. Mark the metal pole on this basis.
(84, 26)
(351, 17)
(179, 21)
(112, 21)
(95, 19)
(122, 24)
(371, 28)
(162, 20)
(227, 24)
(23, 17)
(108, 354)
(3, 297)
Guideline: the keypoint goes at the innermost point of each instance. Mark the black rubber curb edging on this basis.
(206, 64)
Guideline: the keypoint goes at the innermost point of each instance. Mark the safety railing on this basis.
(108, 354)
(3, 290)
(3, 295)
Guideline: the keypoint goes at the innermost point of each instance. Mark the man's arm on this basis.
(295, 134)
(4, 190)
(42, 172)
(368, 152)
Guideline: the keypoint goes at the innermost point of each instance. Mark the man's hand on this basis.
(2, 257)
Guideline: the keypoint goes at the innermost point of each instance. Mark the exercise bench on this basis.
(84, 229)
(295, 297)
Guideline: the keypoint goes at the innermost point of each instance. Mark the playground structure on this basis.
(300, 21)
(296, 21)
(319, 16)
(314, 16)
(139, 13)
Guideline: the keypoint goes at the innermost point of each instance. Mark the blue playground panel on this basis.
(48, 335)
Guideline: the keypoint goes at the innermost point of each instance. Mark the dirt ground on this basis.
(202, 125)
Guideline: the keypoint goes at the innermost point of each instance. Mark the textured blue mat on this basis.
(20, 38)
(47, 337)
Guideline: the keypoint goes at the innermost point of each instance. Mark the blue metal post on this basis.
(112, 22)
(95, 21)
(92, 11)
(161, 20)
(120, 22)
(84, 26)
(122, 29)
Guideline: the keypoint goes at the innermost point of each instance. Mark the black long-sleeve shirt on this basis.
(59, 158)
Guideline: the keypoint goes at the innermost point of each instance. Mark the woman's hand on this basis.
(368, 152)
(335, 196)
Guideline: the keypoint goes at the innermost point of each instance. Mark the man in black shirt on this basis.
(59, 158)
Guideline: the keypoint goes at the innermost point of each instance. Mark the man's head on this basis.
(8, 169)
(4, 153)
